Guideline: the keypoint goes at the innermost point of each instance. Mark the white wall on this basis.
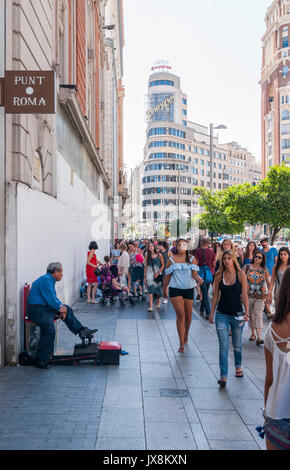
(59, 229)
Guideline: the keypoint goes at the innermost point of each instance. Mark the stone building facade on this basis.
(275, 85)
(59, 184)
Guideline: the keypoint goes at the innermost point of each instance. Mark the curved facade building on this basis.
(167, 177)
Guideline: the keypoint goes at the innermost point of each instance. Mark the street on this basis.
(156, 398)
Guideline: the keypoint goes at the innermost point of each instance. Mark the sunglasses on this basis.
(259, 257)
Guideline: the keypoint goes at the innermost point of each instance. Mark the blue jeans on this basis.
(43, 316)
(205, 302)
(223, 323)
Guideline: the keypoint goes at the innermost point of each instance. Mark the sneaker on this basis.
(150, 309)
(165, 301)
(85, 332)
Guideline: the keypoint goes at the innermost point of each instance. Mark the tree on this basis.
(215, 218)
(266, 203)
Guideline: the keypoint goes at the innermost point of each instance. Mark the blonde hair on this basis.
(232, 254)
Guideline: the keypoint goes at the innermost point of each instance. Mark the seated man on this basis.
(44, 306)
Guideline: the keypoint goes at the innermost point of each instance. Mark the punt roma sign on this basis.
(28, 92)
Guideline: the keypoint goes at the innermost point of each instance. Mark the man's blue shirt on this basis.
(270, 258)
(43, 292)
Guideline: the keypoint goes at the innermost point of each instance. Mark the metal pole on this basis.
(178, 219)
(211, 158)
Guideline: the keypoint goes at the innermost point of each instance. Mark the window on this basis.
(285, 42)
(285, 115)
(285, 143)
(286, 157)
(184, 112)
(184, 101)
(161, 82)
(285, 129)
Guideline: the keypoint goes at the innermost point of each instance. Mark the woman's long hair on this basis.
(247, 249)
(279, 261)
(231, 253)
(149, 253)
(283, 300)
(187, 258)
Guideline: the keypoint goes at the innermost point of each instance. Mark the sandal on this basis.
(181, 349)
(150, 309)
(239, 374)
(252, 338)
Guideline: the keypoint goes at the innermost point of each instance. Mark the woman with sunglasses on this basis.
(258, 280)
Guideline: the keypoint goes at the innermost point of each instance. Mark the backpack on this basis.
(205, 272)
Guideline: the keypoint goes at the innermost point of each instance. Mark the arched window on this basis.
(285, 115)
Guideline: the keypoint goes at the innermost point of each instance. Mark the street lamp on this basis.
(178, 219)
(221, 126)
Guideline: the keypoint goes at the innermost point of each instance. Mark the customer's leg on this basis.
(237, 335)
(89, 289)
(72, 322)
(178, 305)
(222, 328)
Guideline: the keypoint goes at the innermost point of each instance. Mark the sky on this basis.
(215, 47)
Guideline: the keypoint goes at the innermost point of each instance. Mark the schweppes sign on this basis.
(163, 105)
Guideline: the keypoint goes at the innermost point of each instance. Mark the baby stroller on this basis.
(137, 273)
(109, 292)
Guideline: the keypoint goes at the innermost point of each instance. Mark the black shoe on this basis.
(207, 317)
(42, 364)
(222, 383)
(201, 312)
(86, 332)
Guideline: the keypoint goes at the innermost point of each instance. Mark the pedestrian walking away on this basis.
(153, 278)
(230, 294)
(280, 267)
(164, 251)
(206, 259)
(44, 306)
(181, 277)
(277, 380)
(271, 258)
(258, 281)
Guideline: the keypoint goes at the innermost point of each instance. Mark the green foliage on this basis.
(268, 202)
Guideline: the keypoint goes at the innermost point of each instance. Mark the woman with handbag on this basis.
(181, 278)
(92, 280)
(258, 280)
(153, 278)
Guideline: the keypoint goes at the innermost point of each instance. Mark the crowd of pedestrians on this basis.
(242, 286)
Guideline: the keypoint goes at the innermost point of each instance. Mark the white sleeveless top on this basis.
(278, 402)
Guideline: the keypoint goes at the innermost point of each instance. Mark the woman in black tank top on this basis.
(230, 293)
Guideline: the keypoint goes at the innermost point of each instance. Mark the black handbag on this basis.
(97, 272)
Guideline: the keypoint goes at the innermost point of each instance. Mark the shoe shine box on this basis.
(109, 352)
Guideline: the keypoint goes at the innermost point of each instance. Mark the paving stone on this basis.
(169, 436)
(120, 444)
(233, 445)
(223, 425)
(164, 410)
(121, 422)
(123, 397)
(199, 436)
(156, 370)
(210, 399)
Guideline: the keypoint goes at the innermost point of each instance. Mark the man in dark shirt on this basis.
(44, 307)
(205, 256)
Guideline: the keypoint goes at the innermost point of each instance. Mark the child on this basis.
(118, 286)
(107, 260)
(136, 286)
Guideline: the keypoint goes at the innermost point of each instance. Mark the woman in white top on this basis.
(277, 382)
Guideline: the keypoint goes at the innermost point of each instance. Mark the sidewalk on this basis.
(156, 398)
